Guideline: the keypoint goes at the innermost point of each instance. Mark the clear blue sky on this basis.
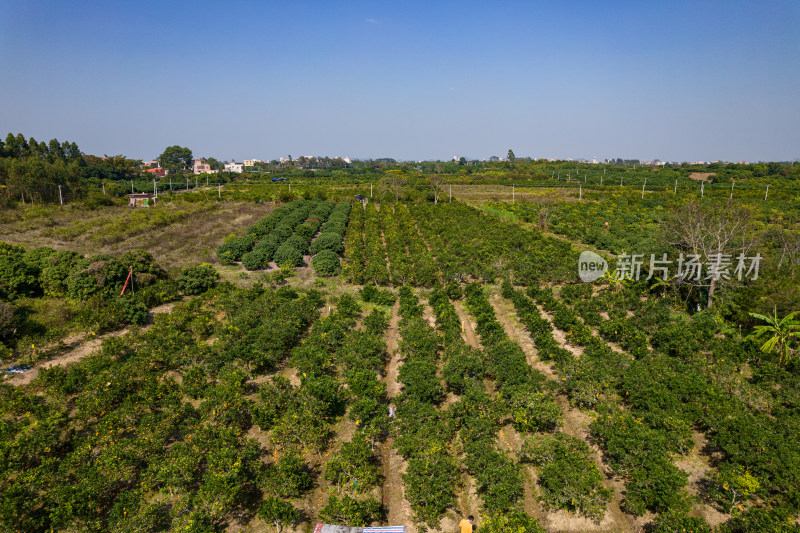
(681, 80)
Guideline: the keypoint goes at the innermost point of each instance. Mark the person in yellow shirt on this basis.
(466, 524)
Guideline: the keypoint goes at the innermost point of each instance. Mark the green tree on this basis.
(782, 334)
(278, 512)
(176, 158)
(511, 156)
(197, 279)
(350, 511)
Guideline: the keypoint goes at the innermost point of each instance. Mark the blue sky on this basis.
(685, 80)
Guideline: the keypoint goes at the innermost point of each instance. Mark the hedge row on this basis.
(330, 243)
(424, 437)
(354, 247)
(638, 450)
(284, 236)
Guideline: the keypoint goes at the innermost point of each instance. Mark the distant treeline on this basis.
(33, 171)
(55, 171)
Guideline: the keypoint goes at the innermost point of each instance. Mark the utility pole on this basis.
(155, 188)
(580, 192)
(620, 181)
(60, 199)
(702, 189)
(675, 191)
(104, 188)
(643, 186)
(451, 193)
(766, 193)
(732, 183)
(370, 189)
(219, 190)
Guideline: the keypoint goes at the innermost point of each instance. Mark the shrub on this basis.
(376, 322)
(197, 279)
(327, 241)
(288, 478)
(235, 247)
(8, 319)
(256, 259)
(133, 311)
(194, 381)
(161, 292)
(288, 255)
(350, 511)
(298, 242)
(568, 477)
(679, 522)
(516, 522)
(17, 278)
(278, 512)
(81, 286)
(326, 263)
(267, 246)
(307, 230)
(453, 291)
(533, 411)
(370, 293)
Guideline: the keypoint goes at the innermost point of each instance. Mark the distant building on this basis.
(152, 164)
(346, 160)
(233, 166)
(200, 166)
(144, 199)
(160, 172)
(252, 162)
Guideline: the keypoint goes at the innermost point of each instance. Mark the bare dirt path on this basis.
(574, 423)
(80, 347)
(467, 327)
(559, 335)
(398, 510)
(696, 464)
(507, 316)
(510, 442)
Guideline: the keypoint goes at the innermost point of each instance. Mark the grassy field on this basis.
(176, 233)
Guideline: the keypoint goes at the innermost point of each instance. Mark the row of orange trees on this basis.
(150, 432)
(568, 478)
(682, 374)
(471, 245)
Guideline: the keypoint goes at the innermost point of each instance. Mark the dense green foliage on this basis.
(117, 428)
(46, 293)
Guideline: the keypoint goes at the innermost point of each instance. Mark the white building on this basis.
(233, 166)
